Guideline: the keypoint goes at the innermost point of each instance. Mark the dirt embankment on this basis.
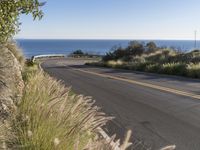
(11, 86)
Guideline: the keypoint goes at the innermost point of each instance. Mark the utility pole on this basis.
(195, 39)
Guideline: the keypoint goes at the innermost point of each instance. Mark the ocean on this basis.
(39, 47)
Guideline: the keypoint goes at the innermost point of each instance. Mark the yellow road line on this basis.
(157, 87)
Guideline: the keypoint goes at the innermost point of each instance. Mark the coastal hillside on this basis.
(36, 110)
(151, 58)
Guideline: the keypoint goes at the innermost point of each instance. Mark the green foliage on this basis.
(193, 70)
(134, 49)
(10, 10)
(151, 47)
(78, 52)
(29, 69)
(153, 68)
(173, 69)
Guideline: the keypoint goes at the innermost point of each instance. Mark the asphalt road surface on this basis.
(160, 110)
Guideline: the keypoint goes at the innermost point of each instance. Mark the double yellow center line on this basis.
(157, 87)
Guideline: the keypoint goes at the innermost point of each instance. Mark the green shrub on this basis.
(153, 68)
(29, 63)
(193, 70)
(151, 47)
(134, 48)
(173, 69)
(78, 52)
(141, 66)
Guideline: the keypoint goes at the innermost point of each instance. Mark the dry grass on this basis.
(17, 52)
(193, 70)
(110, 143)
(164, 61)
(51, 118)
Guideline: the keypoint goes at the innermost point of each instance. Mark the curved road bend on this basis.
(160, 110)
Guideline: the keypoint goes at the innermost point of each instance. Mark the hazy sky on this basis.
(115, 19)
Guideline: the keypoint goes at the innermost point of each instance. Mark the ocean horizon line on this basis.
(107, 39)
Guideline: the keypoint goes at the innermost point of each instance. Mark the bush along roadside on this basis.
(153, 59)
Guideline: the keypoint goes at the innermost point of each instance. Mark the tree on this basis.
(78, 52)
(135, 48)
(10, 10)
(151, 47)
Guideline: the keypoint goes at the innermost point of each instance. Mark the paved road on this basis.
(160, 110)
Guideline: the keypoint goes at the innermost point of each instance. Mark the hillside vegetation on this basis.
(150, 58)
(40, 112)
(51, 117)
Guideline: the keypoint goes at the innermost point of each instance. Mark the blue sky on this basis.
(114, 19)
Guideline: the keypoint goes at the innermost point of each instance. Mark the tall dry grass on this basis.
(162, 61)
(193, 70)
(16, 51)
(51, 118)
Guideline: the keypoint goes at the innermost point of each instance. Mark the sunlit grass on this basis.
(163, 61)
(16, 51)
(50, 117)
(193, 70)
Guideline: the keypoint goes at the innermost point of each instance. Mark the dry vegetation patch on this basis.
(150, 58)
(50, 117)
